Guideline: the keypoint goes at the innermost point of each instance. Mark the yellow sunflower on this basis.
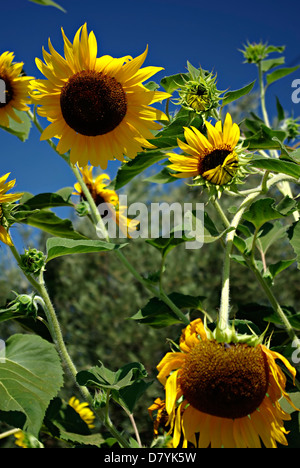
(84, 412)
(213, 159)
(224, 394)
(102, 195)
(99, 108)
(14, 89)
(6, 198)
(21, 439)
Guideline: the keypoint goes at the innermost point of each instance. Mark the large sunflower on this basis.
(15, 87)
(213, 159)
(108, 198)
(5, 200)
(99, 108)
(223, 395)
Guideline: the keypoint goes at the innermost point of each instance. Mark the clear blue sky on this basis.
(205, 33)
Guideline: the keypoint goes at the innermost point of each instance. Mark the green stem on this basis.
(272, 299)
(274, 303)
(225, 292)
(53, 323)
(262, 95)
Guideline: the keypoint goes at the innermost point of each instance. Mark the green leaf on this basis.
(262, 211)
(280, 110)
(48, 3)
(280, 266)
(280, 73)
(126, 385)
(173, 82)
(20, 130)
(276, 165)
(270, 233)
(268, 64)
(47, 200)
(294, 236)
(157, 314)
(57, 247)
(167, 138)
(163, 177)
(190, 231)
(234, 95)
(30, 376)
(47, 221)
(262, 137)
(65, 423)
(136, 166)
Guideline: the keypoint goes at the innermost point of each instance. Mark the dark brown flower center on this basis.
(6, 91)
(213, 159)
(93, 103)
(228, 381)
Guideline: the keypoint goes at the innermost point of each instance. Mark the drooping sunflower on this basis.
(83, 410)
(108, 198)
(99, 108)
(224, 394)
(209, 160)
(14, 89)
(5, 200)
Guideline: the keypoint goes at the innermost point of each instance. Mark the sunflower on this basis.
(84, 412)
(21, 439)
(223, 394)
(213, 160)
(98, 107)
(108, 198)
(15, 87)
(5, 200)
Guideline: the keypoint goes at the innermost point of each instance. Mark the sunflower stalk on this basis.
(252, 266)
(56, 334)
(283, 186)
(225, 292)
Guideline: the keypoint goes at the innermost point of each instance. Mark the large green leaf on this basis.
(47, 200)
(262, 211)
(57, 247)
(47, 221)
(231, 96)
(48, 3)
(277, 165)
(30, 376)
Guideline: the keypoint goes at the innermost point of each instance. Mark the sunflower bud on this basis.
(32, 261)
(82, 208)
(22, 305)
(254, 53)
(199, 93)
(291, 126)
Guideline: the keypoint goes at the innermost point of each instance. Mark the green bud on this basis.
(23, 304)
(32, 261)
(254, 53)
(199, 92)
(291, 126)
(83, 208)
